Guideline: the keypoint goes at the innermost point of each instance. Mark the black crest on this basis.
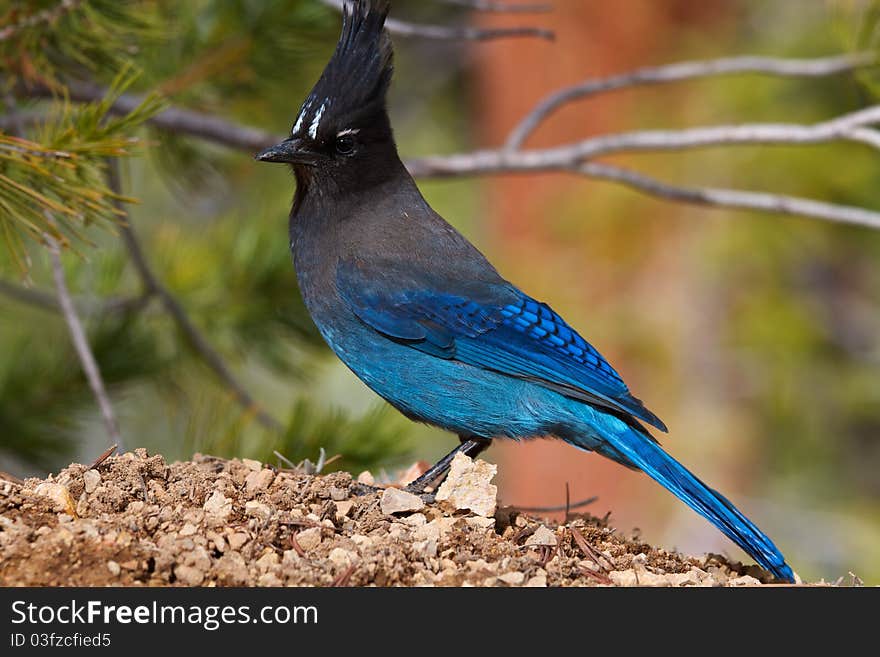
(356, 78)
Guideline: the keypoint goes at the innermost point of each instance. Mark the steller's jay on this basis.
(420, 315)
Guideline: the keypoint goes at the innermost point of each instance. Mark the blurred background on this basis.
(755, 337)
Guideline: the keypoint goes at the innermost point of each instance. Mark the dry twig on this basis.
(552, 509)
(10, 478)
(600, 577)
(106, 454)
(585, 547)
(849, 127)
(296, 546)
(342, 579)
(81, 343)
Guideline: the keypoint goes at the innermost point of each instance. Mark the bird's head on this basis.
(343, 126)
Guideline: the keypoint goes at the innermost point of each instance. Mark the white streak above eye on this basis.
(313, 129)
(302, 115)
(350, 131)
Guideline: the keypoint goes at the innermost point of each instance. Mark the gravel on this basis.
(136, 520)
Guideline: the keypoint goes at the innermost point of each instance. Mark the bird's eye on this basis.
(345, 145)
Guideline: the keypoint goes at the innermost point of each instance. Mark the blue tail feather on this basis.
(646, 455)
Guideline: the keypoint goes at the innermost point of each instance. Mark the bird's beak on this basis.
(289, 151)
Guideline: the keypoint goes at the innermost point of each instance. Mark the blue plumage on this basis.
(515, 340)
(508, 332)
(420, 315)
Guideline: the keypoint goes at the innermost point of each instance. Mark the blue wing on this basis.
(493, 327)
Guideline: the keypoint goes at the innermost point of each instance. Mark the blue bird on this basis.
(420, 315)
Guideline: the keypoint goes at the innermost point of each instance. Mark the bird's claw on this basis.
(359, 489)
(428, 497)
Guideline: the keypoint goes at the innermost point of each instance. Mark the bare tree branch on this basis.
(855, 127)
(81, 343)
(176, 120)
(849, 127)
(198, 342)
(19, 293)
(15, 122)
(501, 7)
(771, 66)
(49, 302)
(464, 33)
(730, 198)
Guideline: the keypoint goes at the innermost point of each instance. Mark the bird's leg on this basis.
(469, 446)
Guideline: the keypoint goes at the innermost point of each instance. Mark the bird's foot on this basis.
(359, 489)
(435, 475)
(426, 485)
(425, 492)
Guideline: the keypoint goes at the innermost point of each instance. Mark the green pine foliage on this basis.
(55, 183)
(211, 225)
(44, 41)
(379, 437)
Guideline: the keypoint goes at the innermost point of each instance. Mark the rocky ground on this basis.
(135, 520)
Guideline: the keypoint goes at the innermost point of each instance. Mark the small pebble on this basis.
(395, 500)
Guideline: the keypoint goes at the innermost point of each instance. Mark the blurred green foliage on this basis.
(46, 41)
(211, 223)
(800, 312)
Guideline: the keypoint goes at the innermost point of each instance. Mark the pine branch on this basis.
(15, 122)
(74, 37)
(62, 173)
(172, 119)
(40, 20)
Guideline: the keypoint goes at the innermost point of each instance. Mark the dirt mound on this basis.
(137, 520)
